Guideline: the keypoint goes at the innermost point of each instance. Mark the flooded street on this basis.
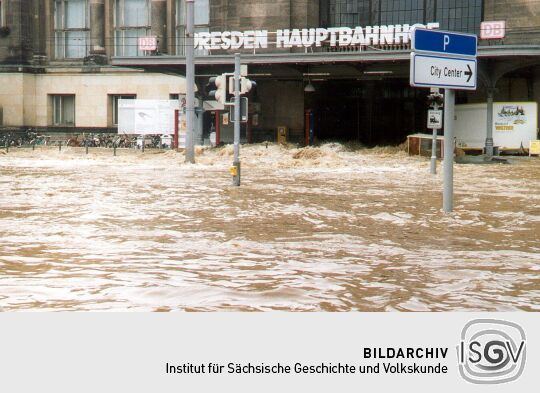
(316, 229)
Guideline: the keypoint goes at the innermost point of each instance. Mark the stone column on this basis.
(158, 20)
(16, 43)
(97, 27)
(39, 31)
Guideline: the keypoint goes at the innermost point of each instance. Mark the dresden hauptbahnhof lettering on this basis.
(307, 38)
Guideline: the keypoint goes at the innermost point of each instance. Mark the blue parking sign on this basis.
(444, 42)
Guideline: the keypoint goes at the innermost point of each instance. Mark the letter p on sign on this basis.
(446, 41)
(492, 30)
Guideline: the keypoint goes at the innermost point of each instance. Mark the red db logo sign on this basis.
(148, 43)
(492, 30)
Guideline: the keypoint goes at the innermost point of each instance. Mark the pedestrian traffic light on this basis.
(217, 88)
(435, 100)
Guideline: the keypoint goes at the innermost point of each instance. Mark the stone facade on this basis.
(522, 19)
(27, 34)
(25, 98)
(263, 14)
(30, 71)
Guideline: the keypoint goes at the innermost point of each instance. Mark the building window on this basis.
(394, 12)
(349, 13)
(456, 15)
(71, 28)
(459, 15)
(202, 23)
(63, 110)
(131, 21)
(114, 103)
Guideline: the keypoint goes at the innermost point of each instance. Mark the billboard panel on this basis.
(147, 117)
(514, 124)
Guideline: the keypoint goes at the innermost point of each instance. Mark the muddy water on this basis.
(313, 229)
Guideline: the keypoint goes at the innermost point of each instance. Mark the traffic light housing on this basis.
(246, 85)
(436, 99)
(217, 88)
(221, 87)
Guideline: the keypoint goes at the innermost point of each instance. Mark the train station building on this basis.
(338, 67)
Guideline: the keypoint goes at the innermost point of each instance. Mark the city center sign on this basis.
(307, 38)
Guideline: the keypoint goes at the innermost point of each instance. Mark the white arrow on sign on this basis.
(443, 72)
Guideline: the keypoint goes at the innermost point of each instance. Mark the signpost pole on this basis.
(433, 166)
(448, 187)
(237, 119)
(489, 123)
(190, 81)
(444, 59)
(434, 147)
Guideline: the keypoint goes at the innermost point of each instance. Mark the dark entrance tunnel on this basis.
(373, 112)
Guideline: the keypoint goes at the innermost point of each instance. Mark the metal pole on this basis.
(448, 187)
(190, 81)
(218, 128)
(433, 167)
(236, 162)
(175, 141)
(489, 121)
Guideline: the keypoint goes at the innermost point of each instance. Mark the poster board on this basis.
(147, 117)
(515, 124)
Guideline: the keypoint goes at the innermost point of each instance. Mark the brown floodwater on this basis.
(317, 229)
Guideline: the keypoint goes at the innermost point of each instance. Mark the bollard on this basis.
(143, 143)
(59, 146)
(235, 173)
(86, 144)
(7, 146)
(33, 145)
(114, 149)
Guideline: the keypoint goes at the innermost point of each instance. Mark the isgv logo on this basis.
(491, 351)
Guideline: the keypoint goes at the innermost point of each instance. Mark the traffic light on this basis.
(246, 85)
(435, 99)
(217, 88)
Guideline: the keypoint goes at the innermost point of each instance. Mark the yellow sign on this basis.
(534, 148)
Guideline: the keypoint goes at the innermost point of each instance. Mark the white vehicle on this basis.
(166, 141)
(147, 141)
